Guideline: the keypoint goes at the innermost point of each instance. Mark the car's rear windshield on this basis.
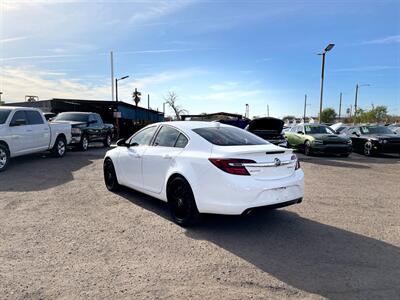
(229, 136)
(72, 117)
(4, 113)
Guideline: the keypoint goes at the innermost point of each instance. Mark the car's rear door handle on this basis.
(167, 156)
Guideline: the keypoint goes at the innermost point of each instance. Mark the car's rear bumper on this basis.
(234, 194)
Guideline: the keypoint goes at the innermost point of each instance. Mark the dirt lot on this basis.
(63, 235)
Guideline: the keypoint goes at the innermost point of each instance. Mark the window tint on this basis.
(300, 128)
(77, 117)
(166, 137)
(34, 117)
(181, 142)
(316, 129)
(98, 119)
(19, 115)
(4, 115)
(143, 137)
(294, 129)
(229, 136)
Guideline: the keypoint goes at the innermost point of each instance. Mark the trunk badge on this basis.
(277, 162)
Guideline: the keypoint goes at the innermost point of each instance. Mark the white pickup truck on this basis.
(24, 130)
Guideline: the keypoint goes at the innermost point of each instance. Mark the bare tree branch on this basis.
(171, 100)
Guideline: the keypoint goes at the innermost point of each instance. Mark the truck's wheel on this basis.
(84, 144)
(107, 141)
(60, 147)
(4, 157)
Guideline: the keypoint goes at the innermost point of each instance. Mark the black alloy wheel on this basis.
(368, 151)
(60, 147)
(107, 141)
(181, 202)
(110, 178)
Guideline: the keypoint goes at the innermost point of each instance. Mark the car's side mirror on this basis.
(355, 133)
(122, 143)
(300, 132)
(18, 122)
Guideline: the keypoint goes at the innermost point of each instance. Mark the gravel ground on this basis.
(64, 236)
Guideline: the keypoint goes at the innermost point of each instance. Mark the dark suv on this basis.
(86, 128)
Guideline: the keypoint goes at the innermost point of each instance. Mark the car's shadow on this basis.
(41, 171)
(308, 255)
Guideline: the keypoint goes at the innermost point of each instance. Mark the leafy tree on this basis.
(328, 115)
(377, 114)
(171, 100)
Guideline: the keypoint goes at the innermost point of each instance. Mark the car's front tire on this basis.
(181, 202)
(84, 144)
(4, 157)
(307, 148)
(368, 150)
(110, 177)
(60, 147)
(107, 141)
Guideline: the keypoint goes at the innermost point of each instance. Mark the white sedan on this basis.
(205, 167)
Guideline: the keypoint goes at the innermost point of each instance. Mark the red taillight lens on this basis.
(232, 166)
(294, 157)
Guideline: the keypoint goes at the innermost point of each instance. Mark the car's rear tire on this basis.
(107, 141)
(60, 147)
(4, 157)
(110, 177)
(84, 144)
(307, 148)
(181, 202)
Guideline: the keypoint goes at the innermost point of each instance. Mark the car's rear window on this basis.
(4, 113)
(72, 117)
(229, 136)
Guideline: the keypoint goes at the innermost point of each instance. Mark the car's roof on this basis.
(188, 125)
(18, 107)
(77, 112)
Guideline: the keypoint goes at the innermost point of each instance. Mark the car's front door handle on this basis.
(167, 156)
(135, 155)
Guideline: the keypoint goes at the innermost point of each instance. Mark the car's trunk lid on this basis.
(271, 162)
(266, 128)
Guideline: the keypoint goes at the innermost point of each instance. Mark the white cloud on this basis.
(13, 39)
(18, 82)
(394, 39)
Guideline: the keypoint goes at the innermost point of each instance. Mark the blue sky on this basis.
(216, 55)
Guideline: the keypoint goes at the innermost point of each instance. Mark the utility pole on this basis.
(355, 103)
(247, 113)
(340, 105)
(305, 107)
(327, 49)
(112, 76)
(148, 101)
(267, 110)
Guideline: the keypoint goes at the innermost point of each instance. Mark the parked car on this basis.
(205, 167)
(374, 139)
(269, 129)
(87, 128)
(316, 138)
(49, 116)
(395, 128)
(24, 130)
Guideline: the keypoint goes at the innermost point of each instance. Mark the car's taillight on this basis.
(294, 157)
(231, 165)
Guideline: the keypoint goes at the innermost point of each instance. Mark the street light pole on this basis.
(340, 105)
(305, 107)
(116, 100)
(327, 49)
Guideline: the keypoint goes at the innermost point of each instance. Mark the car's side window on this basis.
(92, 119)
(166, 137)
(98, 119)
(293, 129)
(34, 117)
(19, 119)
(300, 128)
(181, 142)
(143, 137)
